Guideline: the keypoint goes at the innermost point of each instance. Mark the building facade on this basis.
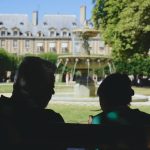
(19, 35)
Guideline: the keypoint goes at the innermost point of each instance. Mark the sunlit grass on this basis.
(75, 113)
(6, 88)
(141, 90)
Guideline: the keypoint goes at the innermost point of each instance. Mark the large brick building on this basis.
(20, 35)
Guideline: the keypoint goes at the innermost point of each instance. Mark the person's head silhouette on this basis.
(115, 91)
(34, 82)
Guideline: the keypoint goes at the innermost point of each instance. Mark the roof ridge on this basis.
(59, 15)
(1, 14)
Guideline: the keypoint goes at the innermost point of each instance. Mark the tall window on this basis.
(27, 43)
(2, 43)
(64, 47)
(101, 46)
(40, 47)
(52, 47)
(15, 43)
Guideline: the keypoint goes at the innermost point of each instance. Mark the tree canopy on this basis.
(124, 24)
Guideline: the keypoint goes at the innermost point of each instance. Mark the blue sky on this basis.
(45, 6)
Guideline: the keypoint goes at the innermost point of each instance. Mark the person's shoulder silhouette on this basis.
(115, 94)
(32, 90)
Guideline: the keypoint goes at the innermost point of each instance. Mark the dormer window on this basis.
(21, 23)
(1, 23)
(8, 33)
(74, 24)
(40, 34)
(20, 33)
(52, 32)
(57, 34)
(3, 33)
(64, 32)
(28, 33)
(45, 23)
(15, 33)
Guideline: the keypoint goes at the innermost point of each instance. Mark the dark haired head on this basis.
(115, 90)
(34, 80)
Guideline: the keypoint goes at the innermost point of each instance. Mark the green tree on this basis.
(8, 62)
(136, 65)
(49, 56)
(124, 24)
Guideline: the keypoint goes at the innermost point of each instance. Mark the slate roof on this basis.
(22, 22)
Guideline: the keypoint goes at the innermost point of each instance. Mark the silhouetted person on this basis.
(115, 94)
(32, 90)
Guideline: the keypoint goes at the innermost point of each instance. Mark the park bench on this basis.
(63, 136)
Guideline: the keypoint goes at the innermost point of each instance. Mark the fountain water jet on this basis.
(74, 68)
(82, 60)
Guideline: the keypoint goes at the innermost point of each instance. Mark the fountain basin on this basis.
(95, 61)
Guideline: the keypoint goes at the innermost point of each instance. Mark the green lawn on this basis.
(144, 91)
(74, 113)
(7, 88)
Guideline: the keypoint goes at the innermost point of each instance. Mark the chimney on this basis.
(83, 15)
(35, 18)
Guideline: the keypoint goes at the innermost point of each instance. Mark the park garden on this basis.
(126, 29)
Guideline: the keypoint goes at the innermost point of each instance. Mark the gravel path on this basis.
(81, 101)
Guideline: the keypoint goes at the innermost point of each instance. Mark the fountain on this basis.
(82, 60)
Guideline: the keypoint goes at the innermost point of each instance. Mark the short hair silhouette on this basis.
(35, 80)
(115, 89)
